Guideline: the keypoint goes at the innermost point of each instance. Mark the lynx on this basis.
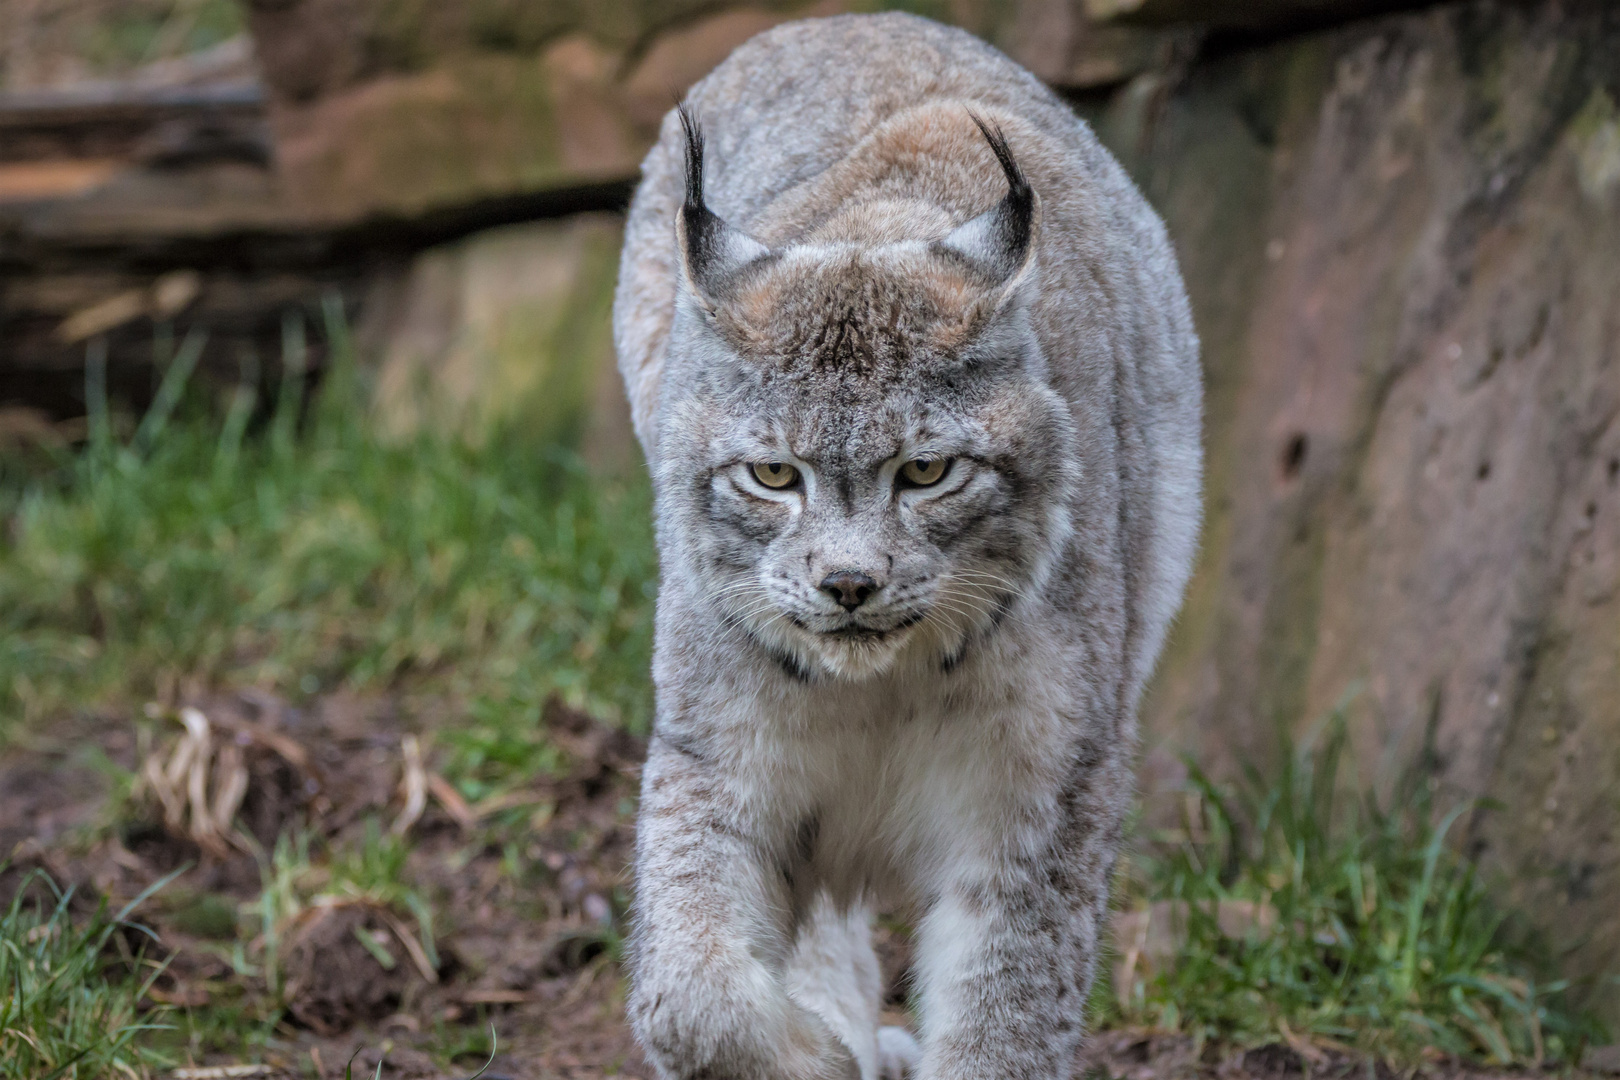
(915, 375)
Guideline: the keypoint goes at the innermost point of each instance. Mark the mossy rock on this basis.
(509, 328)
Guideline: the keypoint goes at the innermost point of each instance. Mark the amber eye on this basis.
(776, 474)
(925, 472)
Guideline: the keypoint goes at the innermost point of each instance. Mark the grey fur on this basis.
(960, 744)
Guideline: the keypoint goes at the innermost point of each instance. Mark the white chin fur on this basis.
(856, 660)
(926, 642)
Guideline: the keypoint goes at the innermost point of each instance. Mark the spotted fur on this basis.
(867, 240)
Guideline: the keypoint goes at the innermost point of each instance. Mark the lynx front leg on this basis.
(834, 973)
(711, 944)
(1004, 964)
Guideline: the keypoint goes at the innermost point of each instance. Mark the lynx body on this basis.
(915, 374)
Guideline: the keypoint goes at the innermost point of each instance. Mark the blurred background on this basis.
(325, 562)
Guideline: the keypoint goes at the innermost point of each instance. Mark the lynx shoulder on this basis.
(914, 371)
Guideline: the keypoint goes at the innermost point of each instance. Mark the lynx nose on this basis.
(849, 587)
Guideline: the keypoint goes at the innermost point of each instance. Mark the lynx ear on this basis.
(997, 243)
(712, 252)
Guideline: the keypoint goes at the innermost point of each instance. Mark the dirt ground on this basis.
(528, 898)
(524, 917)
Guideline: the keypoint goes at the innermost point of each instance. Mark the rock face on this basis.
(508, 327)
(1402, 239)
(1264, 16)
(382, 106)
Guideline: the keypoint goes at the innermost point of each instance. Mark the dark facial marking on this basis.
(791, 666)
(679, 743)
(758, 527)
(805, 839)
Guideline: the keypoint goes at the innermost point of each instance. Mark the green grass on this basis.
(70, 994)
(304, 872)
(1376, 934)
(300, 552)
(314, 555)
(303, 553)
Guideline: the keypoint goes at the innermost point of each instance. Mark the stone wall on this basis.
(1402, 239)
(399, 105)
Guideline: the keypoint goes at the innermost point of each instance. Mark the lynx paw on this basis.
(898, 1053)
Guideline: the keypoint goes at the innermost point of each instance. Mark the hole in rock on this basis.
(1293, 455)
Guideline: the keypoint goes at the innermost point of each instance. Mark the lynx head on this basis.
(860, 461)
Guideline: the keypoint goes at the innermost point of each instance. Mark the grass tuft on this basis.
(304, 874)
(70, 997)
(319, 557)
(1308, 915)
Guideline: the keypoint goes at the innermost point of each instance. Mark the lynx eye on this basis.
(776, 474)
(925, 472)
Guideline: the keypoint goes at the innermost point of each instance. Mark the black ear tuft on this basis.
(712, 252)
(1015, 217)
(1019, 192)
(694, 158)
(700, 226)
(997, 242)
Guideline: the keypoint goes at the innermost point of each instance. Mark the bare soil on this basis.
(528, 901)
(524, 914)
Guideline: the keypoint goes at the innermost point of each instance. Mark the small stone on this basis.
(1602, 1059)
(597, 909)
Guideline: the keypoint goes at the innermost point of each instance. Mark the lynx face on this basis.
(876, 468)
(860, 455)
